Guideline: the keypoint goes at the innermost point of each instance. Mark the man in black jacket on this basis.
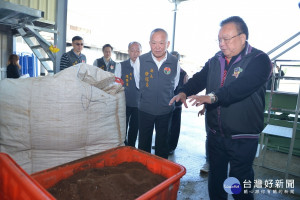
(276, 79)
(235, 82)
(176, 116)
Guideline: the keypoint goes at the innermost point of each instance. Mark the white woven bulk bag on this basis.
(75, 113)
(14, 120)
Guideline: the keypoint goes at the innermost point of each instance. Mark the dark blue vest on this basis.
(111, 65)
(157, 86)
(75, 59)
(131, 91)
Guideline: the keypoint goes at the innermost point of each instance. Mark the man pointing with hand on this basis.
(235, 82)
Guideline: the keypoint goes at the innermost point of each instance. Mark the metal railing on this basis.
(283, 44)
(278, 77)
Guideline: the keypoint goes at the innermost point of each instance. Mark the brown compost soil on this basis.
(126, 181)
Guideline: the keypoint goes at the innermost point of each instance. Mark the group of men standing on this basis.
(235, 83)
(74, 56)
(149, 81)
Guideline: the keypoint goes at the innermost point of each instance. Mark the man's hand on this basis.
(179, 97)
(199, 100)
(202, 111)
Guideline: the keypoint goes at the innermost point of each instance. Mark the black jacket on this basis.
(12, 71)
(241, 99)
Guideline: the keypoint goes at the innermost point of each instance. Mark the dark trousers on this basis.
(146, 126)
(133, 121)
(206, 145)
(175, 128)
(240, 153)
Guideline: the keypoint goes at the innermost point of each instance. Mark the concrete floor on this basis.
(191, 154)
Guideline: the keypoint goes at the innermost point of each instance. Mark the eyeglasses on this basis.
(79, 44)
(227, 40)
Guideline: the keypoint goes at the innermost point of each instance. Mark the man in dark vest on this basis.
(157, 75)
(276, 79)
(124, 70)
(176, 116)
(74, 56)
(235, 82)
(106, 63)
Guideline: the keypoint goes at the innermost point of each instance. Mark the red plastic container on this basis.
(167, 190)
(16, 184)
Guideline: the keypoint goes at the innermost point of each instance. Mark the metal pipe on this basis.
(61, 28)
(293, 136)
(280, 45)
(174, 26)
(287, 61)
(285, 51)
(289, 66)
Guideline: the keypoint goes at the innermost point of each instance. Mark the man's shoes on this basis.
(205, 168)
(171, 152)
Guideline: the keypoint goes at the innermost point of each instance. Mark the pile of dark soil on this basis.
(126, 181)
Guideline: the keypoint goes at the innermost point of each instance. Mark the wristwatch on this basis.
(213, 97)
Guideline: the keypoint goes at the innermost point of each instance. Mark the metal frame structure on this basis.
(278, 130)
(20, 19)
(176, 2)
(60, 26)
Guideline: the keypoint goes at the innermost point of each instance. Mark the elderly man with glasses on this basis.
(235, 82)
(74, 56)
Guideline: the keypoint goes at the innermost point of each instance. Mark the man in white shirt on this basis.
(124, 70)
(156, 75)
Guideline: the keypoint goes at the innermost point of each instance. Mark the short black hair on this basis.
(107, 45)
(76, 38)
(239, 22)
